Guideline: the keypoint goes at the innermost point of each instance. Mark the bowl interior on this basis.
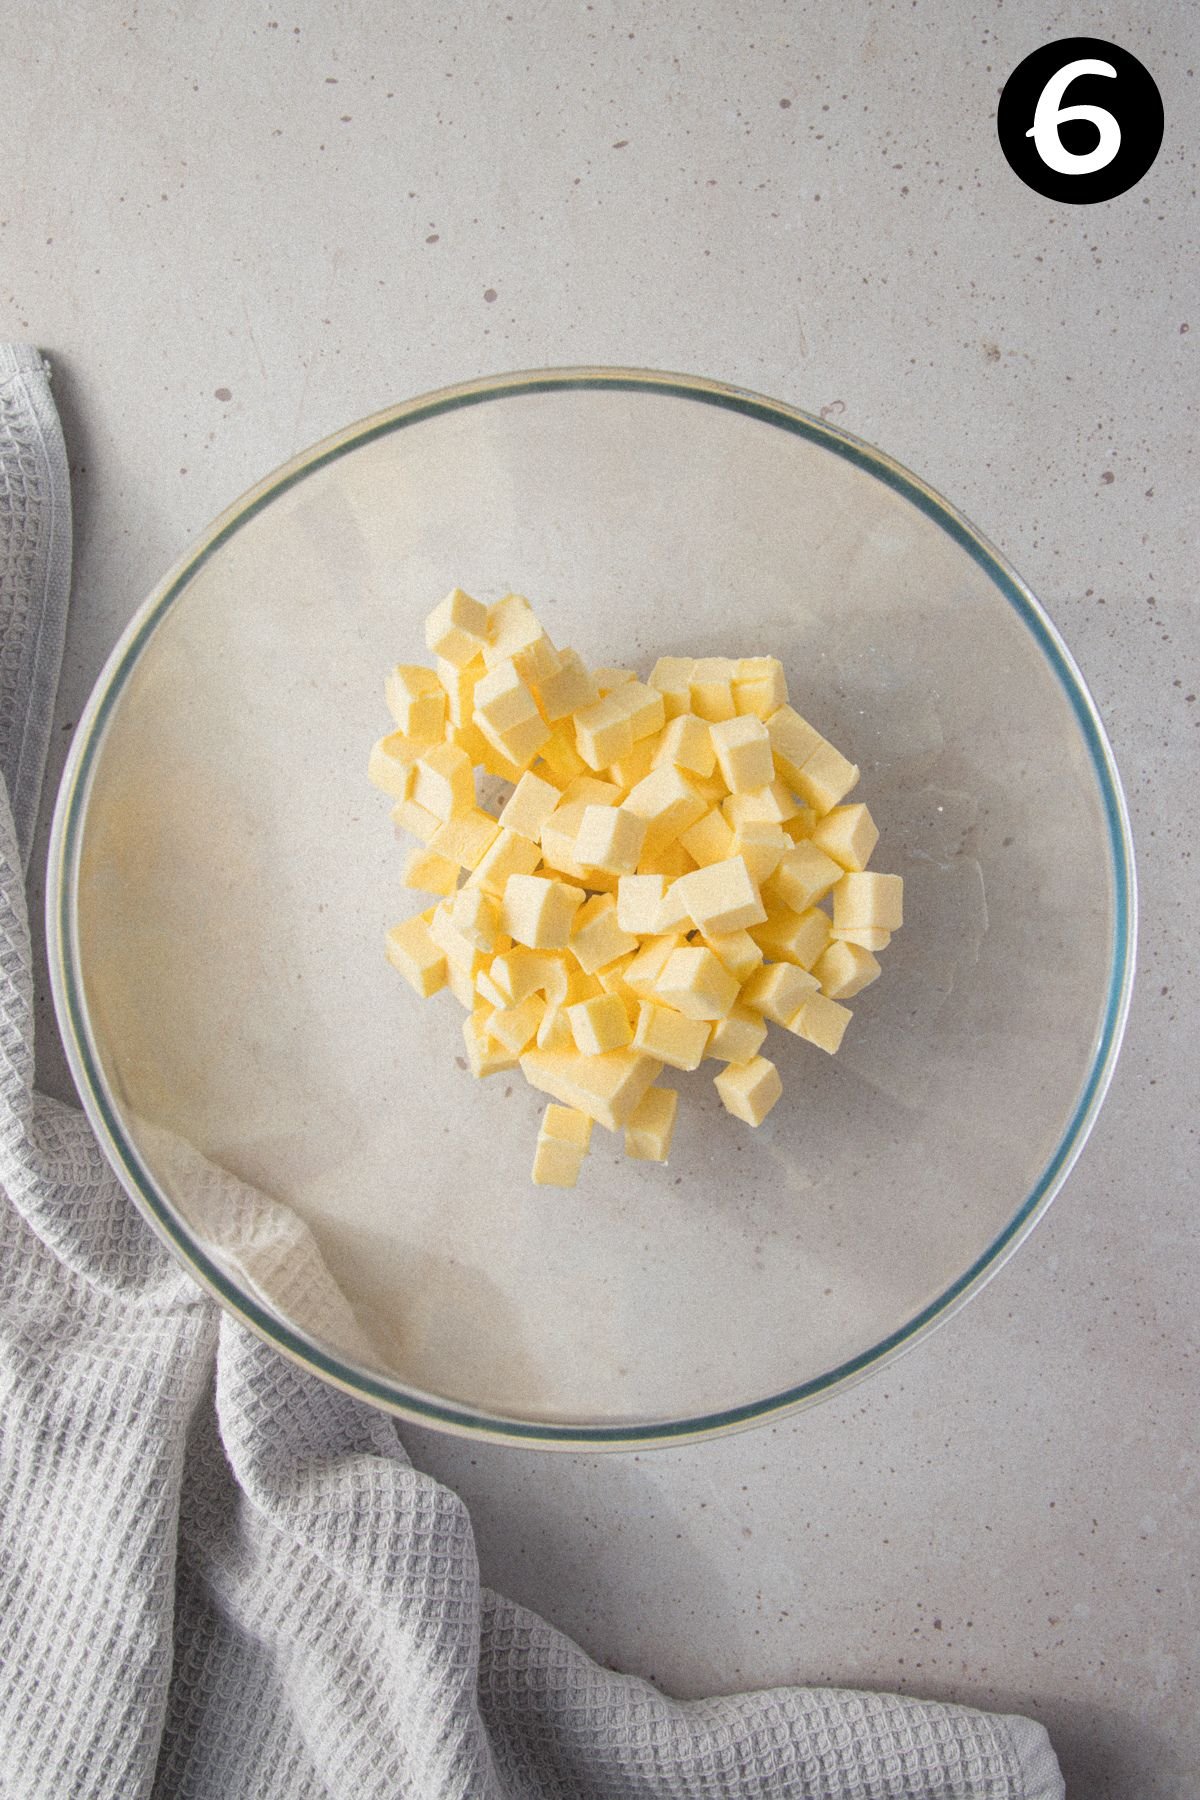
(308, 1127)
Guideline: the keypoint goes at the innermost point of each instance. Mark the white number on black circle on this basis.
(1050, 113)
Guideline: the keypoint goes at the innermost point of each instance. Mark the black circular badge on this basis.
(1080, 120)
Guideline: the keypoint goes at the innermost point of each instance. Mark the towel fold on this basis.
(223, 1578)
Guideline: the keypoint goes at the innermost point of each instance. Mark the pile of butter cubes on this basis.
(649, 896)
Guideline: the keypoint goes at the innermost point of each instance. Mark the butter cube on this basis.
(709, 840)
(711, 688)
(502, 699)
(603, 732)
(538, 911)
(513, 631)
(607, 1088)
(644, 706)
(506, 855)
(844, 970)
(863, 898)
(772, 804)
(673, 914)
(556, 1164)
(793, 937)
(687, 743)
(793, 741)
(821, 1021)
(778, 991)
(566, 1125)
(612, 981)
(460, 684)
(759, 686)
(749, 1090)
(568, 689)
(418, 821)
(554, 1032)
(529, 806)
(668, 802)
(696, 983)
(804, 876)
(517, 744)
(516, 1026)
(461, 983)
(825, 778)
(485, 1055)
(431, 873)
(459, 950)
(600, 1024)
(867, 937)
(560, 756)
(610, 837)
(596, 935)
(737, 950)
(743, 751)
(519, 972)
(627, 771)
(648, 964)
(476, 915)
(417, 701)
(581, 985)
(444, 781)
(672, 676)
(668, 1035)
(639, 898)
(652, 1125)
(738, 1037)
(413, 953)
(848, 834)
(456, 629)
(761, 846)
(390, 766)
(466, 837)
(721, 897)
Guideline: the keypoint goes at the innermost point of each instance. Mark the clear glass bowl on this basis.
(302, 1129)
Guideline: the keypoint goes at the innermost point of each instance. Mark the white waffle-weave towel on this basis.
(221, 1578)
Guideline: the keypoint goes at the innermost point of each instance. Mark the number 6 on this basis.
(1050, 113)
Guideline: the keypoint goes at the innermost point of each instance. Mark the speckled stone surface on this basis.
(235, 229)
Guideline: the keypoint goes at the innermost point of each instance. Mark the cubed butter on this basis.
(793, 741)
(869, 937)
(652, 1126)
(599, 1025)
(539, 912)
(568, 689)
(607, 1088)
(737, 950)
(603, 732)
(668, 803)
(759, 685)
(485, 1054)
(743, 751)
(444, 781)
(418, 821)
(821, 1021)
(847, 834)
(390, 766)
(738, 1037)
(413, 953)
(761, 846)
(686, 741)
(516, 1026)
(416, 700)
(825, 778)
(597, 938)
(529, 806)
(456, 629)
(672, 676)
(476, 915)
(696, 983)
(793, 937)
(843, 970)
(711, 688)
(749, 1090)
(663, 1032)
(709, 840)
(431, 873)
(804, 876)
(864, 898)
(721, 897)
(639, 898)
(778, 991)
(611, 838)
(466, 837)
(506, 855)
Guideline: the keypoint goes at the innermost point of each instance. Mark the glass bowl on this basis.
(303, 1130)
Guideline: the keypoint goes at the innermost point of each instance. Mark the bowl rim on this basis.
(138, 1180)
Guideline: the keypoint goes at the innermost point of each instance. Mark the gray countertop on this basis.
(233, 230)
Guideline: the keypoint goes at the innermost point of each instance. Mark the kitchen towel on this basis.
(221, 1578)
